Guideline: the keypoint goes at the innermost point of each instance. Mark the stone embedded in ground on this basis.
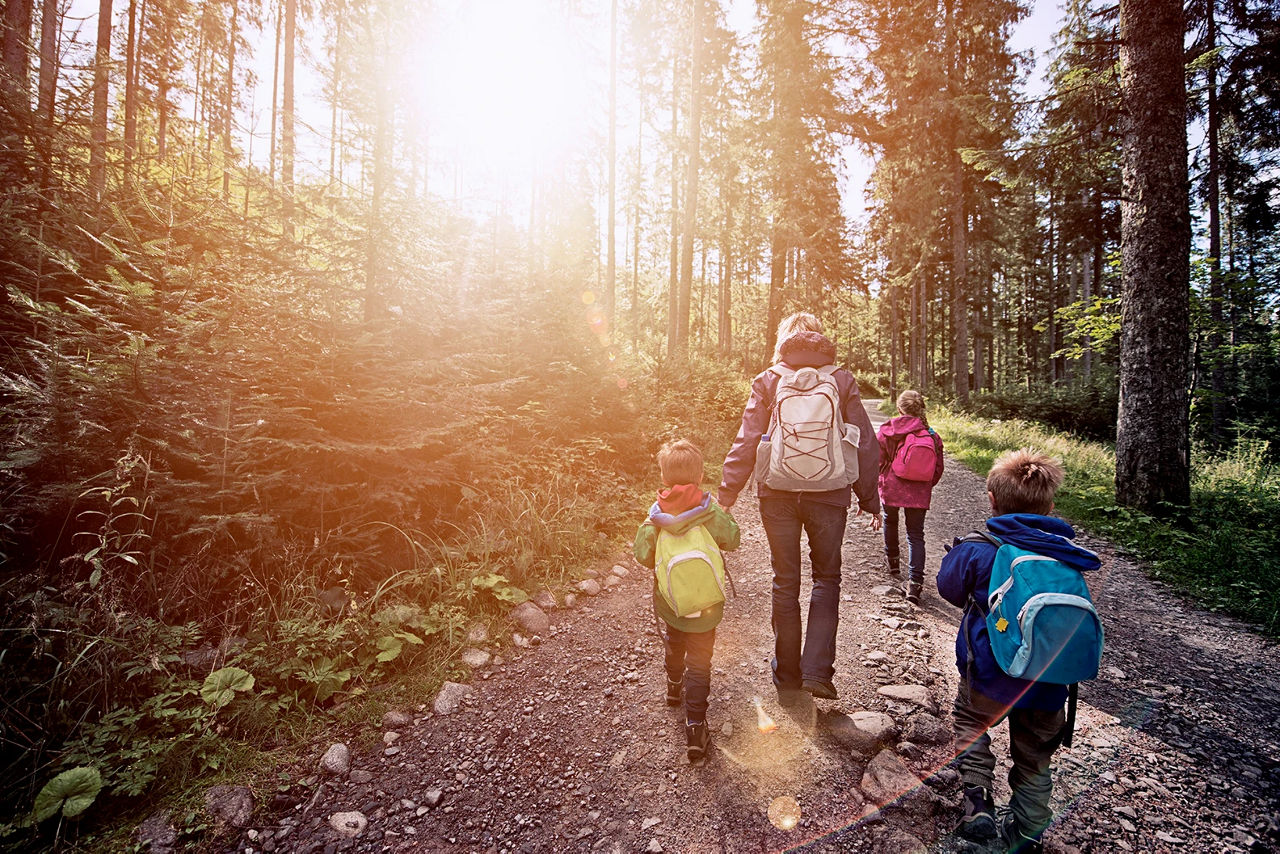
(361, 777)
(592, 573)
(449, 698)
(864, 732)
(157, 834)
(886, 780)
(520, 640)
(349, 824)
(655, 847)
(545, 599)
(390, 737)
(877, 656)
(475, 658)
(531, 618)
(570, 600)
(478, 634)
(648, 823)
(924, 728)
(589, 587)
(396, 719)
(881, 590)
(337, 759)
(620, 571)
(432, 797)
(917, 694)
(229, 805)
(611, 582)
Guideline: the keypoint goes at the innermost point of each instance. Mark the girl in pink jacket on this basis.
(910, 466)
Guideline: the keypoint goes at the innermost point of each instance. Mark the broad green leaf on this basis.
(220, 686)
(70, 793)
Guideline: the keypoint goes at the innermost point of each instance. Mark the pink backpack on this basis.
(917, 457)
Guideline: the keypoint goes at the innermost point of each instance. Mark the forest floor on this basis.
(566, 744)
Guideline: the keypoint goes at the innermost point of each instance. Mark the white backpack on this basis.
(808, 448)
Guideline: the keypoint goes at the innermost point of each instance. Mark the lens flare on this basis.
(784, 813)
(763, 720)
(588, 297)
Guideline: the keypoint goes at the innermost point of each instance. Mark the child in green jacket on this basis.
(688, 641)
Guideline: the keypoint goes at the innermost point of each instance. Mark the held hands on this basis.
(873, 522)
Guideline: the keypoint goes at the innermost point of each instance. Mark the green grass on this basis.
(1223, 551)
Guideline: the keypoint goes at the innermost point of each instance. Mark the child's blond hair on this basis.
(911, 402)
(680, 461)
(801, 321)
(1024, 481)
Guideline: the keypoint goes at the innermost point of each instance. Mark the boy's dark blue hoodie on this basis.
(966, 572)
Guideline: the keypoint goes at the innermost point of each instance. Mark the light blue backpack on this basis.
(1040, 618)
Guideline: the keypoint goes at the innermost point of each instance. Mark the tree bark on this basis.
(50, 19)
(959, 220)
(287, 114)
(229, 100)
(611, 262)
(690, 185)
(1152, 443)
(16, 48)
(1217, 358)
(131, 94)
(98, 132)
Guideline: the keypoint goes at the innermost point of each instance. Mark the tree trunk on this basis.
(131, 95)
(611, 262)
(16, 48)
(673, 282)
(1152, 443)
(690, 184)
(98, 134)
(287, 115)
(50, 19)
(229, 100)
(1217, 357)
(275, 97)
(959, 221)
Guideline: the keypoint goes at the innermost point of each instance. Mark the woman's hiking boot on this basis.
(1014, 840)
(821, 689)
(698, 739)
(979, 820)
(913, 591)
(675, 693)
(891, 564)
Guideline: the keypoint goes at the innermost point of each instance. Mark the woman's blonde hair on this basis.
(801, 321)
(1024, 481)
(911, 402)
(680, 462)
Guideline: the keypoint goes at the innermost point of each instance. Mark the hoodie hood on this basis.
(808, 350)
(681, 521)
(1044, 535)
(903, 425)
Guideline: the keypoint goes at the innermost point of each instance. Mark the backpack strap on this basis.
(1068, 728)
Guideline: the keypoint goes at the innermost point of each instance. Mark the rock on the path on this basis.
(924, 728)
(475, 658)
(478, 634)
(396, 719)
(611, 582)
(655, 847)
(881, 590)
(157, 834)
(337, 759)
(917, 694)
(620, 571)
(865, 732)
(229, 805)
(531, 618)
(648, 823)
(887, 780)
(545, 599)
(349, 824)
(432, 797)
(589, 586)
(360, 777)
(892, 840)
(449, 698)
(570, 600)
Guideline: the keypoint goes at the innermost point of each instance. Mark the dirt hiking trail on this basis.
(565, 743)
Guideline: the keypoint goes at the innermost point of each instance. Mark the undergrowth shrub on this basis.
(1087, 410)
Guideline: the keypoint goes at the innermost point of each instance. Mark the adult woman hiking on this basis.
(796, 438)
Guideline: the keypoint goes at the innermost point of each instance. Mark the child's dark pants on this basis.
(1034, 735)
(688, 657)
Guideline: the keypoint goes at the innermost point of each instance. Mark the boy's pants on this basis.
(1034, 734)
(688, 659)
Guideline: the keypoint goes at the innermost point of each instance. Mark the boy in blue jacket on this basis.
(1021, 488)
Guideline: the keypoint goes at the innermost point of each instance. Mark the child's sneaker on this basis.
(699, 740)
(1014, 840)
(675, 693)
(979, 820)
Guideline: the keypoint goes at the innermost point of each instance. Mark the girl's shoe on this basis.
(698, 739)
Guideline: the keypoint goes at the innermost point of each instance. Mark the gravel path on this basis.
(566, 744)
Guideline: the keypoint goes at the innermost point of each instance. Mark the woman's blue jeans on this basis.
(915, 539)
(785, 516)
